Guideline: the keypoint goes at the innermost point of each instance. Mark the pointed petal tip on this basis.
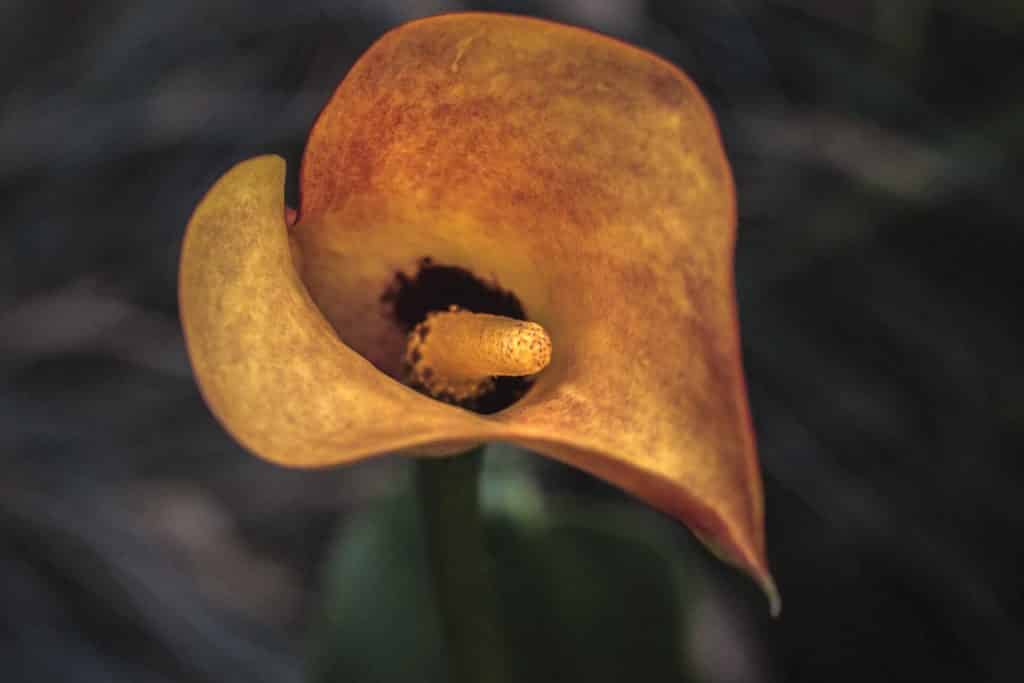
(771, 591)
(758, 570)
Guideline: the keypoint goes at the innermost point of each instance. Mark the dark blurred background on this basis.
(877, 149)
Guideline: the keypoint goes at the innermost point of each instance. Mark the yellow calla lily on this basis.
(580, 176)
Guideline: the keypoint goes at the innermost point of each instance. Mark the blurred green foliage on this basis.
(587, 592)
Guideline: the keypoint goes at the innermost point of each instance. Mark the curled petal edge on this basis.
(278, 378)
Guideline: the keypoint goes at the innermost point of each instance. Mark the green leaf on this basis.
(593, 592)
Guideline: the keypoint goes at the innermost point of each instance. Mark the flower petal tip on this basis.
(771, 591)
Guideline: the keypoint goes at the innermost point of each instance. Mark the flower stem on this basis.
(448, 489)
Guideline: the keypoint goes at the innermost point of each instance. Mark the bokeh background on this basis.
(877, 149)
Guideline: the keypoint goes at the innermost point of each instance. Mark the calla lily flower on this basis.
(580, 177)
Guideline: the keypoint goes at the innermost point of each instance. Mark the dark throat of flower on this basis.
(468, 342)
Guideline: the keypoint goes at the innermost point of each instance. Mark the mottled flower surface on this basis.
(577, 176)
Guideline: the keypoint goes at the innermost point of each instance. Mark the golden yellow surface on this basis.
(458, 353)
(582, 174)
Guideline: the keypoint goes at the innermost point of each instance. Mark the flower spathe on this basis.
(582, 174)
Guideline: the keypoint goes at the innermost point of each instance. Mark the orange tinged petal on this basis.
(583, 175)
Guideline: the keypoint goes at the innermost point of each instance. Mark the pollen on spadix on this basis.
(455, 355)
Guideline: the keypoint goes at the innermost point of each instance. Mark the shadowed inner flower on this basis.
(435, 290)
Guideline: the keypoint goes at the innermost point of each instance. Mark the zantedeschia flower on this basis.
(581, 181)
